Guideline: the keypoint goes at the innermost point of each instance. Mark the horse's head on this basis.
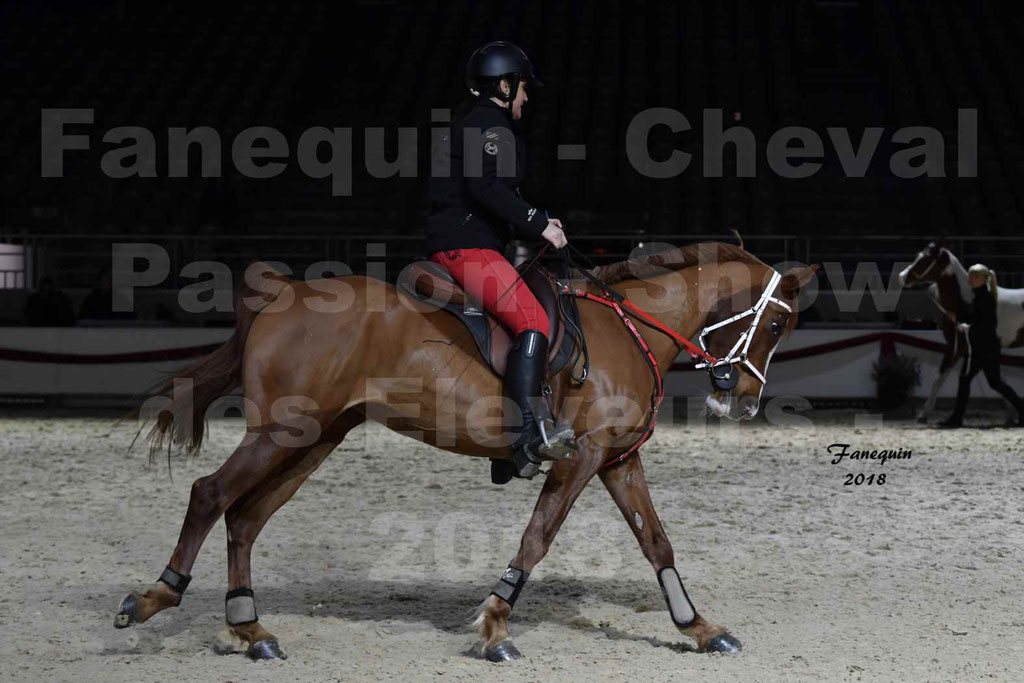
(926, 268)
(742, 334)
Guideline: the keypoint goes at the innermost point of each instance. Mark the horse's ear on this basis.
(796, 279)
(736, 234)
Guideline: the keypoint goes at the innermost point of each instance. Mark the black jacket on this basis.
(474, 184)
(982, 318)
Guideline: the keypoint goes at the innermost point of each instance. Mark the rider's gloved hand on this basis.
(554, 234)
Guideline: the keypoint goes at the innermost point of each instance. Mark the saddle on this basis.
(430, 283)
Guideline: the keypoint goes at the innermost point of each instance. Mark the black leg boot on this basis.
(537, 439)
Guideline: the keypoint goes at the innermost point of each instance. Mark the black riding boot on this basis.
(537, 439)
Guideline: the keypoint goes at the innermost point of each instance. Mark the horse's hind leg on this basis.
(211, 495)
(247, 517)
(628, 487)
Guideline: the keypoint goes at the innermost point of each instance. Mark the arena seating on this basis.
(292, 65)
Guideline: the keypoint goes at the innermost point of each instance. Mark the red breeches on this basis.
(492, 281)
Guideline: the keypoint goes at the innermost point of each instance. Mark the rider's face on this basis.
(519, 101)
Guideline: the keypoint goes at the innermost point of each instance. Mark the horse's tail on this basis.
(183, 420)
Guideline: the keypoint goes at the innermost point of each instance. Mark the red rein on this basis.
(659, 390)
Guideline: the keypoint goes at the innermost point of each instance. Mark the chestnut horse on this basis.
(938, 269)
(332, 370)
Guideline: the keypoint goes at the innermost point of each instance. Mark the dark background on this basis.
(293, 65)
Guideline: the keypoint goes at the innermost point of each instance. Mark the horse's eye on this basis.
(776, 327)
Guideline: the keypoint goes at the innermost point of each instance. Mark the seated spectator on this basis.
(48, 306)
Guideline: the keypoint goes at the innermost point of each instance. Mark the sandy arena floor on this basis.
(921, 578)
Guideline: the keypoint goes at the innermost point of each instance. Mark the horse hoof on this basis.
(265, 649)
(128, 612)
(724, 643)
(922, 419)
(504, 651)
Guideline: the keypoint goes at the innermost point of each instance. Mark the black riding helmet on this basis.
(493, 61)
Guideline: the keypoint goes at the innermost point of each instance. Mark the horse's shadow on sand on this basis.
(401, 606)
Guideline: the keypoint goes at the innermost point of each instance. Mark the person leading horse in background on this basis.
(983, 346)
(946, 279)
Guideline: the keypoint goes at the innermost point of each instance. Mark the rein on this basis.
(723, 371)
(618, 303)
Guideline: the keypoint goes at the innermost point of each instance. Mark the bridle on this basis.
(725, 378)
(935, 262)
(720, 380)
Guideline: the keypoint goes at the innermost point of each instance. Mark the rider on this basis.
(474, 202)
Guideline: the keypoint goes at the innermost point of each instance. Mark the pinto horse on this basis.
(936, 268)
(326, 368)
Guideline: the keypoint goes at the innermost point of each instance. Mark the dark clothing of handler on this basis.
(983, 355)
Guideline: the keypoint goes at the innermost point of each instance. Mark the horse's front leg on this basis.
(628, 487)
(565, 481)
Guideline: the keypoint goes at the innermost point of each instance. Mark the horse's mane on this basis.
(675, 258)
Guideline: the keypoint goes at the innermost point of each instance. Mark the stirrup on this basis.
(559, 444)
(556, 445)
